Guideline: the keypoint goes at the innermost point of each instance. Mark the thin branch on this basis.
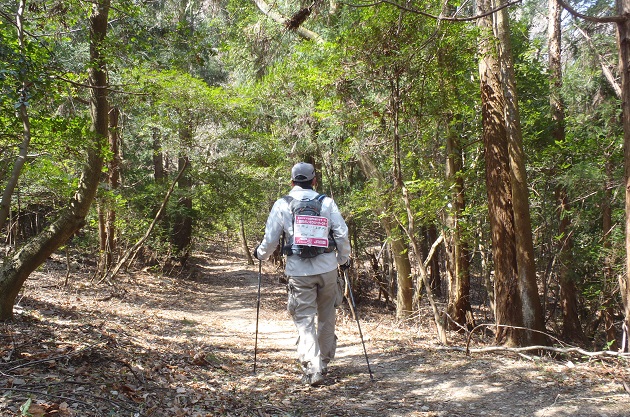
(60, 397)
(53, 358)
(108, 87)
(132, 252)
(89, 404)
(432, 16)
(602, 62)
(581, 351)
(433, 248)
(505, 326)
(278, 18)
(608, 19)
(568, 349)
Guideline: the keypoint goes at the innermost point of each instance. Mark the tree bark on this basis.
(571, 326)
(623, 33)
(533, 317)
(182, 223)
(404, 299)
(458, 308)
(159, 174)
(113, 181)
(15, 270)
(248, 254)
(508, 312)
(404, 280)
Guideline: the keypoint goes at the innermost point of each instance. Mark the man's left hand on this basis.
(347, 265)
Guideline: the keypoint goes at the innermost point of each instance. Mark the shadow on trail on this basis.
(163, 346)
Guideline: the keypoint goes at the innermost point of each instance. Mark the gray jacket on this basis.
(280, 218)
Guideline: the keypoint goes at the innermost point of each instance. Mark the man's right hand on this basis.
(255, 253)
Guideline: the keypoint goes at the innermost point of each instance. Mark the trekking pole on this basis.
(257, 312)
(356, 316)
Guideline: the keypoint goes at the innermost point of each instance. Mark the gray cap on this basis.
(302, 171)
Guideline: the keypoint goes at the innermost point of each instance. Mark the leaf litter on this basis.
(183, 345)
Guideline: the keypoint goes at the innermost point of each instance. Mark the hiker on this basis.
(315, 243)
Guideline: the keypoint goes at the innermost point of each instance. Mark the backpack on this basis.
(311, 231)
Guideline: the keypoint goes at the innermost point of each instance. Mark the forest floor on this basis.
(157, 345)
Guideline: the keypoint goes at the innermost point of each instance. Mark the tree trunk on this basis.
(457, 264)
(435, 277)
(113, 181)
(15, 270)
(182, 223)
(571, 325)
(404, 301)
(404, 293)
(158, 160)
(532, 314)
(246, 250)
(623, 32)
(405, 287)
(131, 253)
(508, 313)
(424, 276)
(400, 253)
(608, 299)
(572, 329)
(622, 21)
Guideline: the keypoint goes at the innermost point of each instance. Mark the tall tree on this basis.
(622, 22)
(507, 296)
(16, 269)
(106, 208)
(516, 299)
(533, 317)
(183, 220)
(404, 297)
(571, 326)
(459, 308)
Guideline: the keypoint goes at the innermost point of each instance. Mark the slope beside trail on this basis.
(154, 344)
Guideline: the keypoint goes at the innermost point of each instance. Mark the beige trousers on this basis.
(311, 303)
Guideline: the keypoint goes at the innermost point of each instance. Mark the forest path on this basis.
(231, 310)
(163, 346)
(413, 377)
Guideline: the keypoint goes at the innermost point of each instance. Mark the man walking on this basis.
(316, 242)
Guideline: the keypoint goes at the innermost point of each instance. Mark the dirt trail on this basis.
(153, 345)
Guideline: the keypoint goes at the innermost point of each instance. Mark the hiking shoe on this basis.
(313, 379)
(316, 379)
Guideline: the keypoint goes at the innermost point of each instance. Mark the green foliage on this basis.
(25, 407)
(59, 120)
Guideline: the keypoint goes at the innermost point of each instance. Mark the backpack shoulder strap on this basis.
(319, 197)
